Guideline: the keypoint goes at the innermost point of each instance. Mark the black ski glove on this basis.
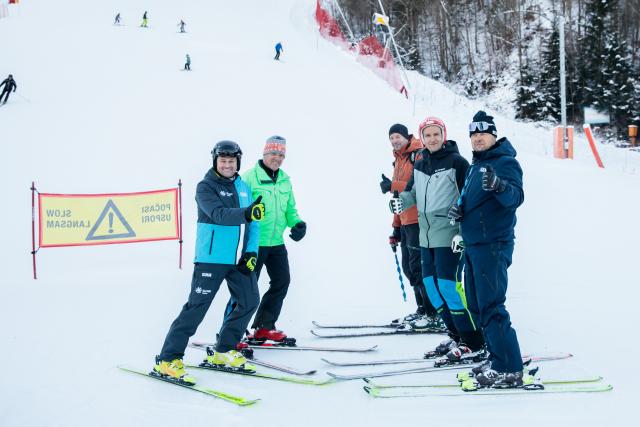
(385, 184)
(455, 213)
(298, 231)
(255, 211)
(247, 263)
(491, 182)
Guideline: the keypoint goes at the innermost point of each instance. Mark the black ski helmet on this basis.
(226, 149)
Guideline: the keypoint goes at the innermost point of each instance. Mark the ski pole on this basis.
(395, 255)
(23, 98)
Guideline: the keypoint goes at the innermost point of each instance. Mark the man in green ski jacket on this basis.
(273, 184)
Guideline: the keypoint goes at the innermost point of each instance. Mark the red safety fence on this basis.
(370, 52)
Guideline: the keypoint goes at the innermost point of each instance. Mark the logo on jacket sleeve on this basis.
(225, 193)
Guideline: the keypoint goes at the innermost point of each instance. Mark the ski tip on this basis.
(314, 323)
(367, 380)
(373, 348)
(367, 389)
(334, 376)
(248, 402)
(326, 361)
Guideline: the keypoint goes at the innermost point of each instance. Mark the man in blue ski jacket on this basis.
(486, 210)
(226, 249)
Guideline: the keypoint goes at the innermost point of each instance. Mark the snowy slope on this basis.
(107, 109)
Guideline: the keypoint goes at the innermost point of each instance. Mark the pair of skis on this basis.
(464, 364)
(240, 401)
(276, 346)
(575, 385)
(399, 329)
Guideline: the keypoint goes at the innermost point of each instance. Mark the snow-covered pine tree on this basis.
(550, 76)
(591, 52)
(529, 100)
(618, 88)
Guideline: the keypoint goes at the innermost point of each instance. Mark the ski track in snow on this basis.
(106, 109)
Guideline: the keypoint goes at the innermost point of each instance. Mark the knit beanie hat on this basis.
(275, 145)
(482, 123)
(400, 129)
(432, 121)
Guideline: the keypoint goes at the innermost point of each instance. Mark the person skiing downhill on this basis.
(144, 20)
(486, 210)
(117, 20)
(187, 63)
(438, 177)
(268, 181)
(9, 85)
(226, 249)
(182, 25)
(406, 150)
(278, 50)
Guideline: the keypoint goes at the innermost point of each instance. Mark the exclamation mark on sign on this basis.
(110, 222)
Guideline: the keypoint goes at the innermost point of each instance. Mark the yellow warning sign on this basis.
(99, 219)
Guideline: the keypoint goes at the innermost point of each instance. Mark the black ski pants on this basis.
(412, 266)
(205, 283)
(4, 93)
(276, 260)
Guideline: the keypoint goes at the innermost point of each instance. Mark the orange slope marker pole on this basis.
(592, 144)
(558, 143)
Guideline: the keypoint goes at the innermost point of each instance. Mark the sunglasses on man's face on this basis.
(481, 126)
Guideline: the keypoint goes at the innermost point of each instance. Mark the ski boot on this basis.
(428, 323)
(261, 335)
(409, 317)
(231, 360)
(441, 349)
(502, 380)
(172, 371)
(244, 348)
(461, 354)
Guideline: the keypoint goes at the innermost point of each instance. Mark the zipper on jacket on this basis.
(277, 208)
(426, 218)
(211, 243)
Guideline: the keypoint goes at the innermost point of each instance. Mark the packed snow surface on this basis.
(103, 108)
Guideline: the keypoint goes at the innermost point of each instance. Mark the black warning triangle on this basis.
(110, 206)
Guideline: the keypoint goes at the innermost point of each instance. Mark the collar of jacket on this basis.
(449, 147)
(270, 173)
(414, 145)
(263, 178)
(502, 147)
(213, 176)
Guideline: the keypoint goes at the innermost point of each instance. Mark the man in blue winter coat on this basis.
(486, 210)
(226, 249)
